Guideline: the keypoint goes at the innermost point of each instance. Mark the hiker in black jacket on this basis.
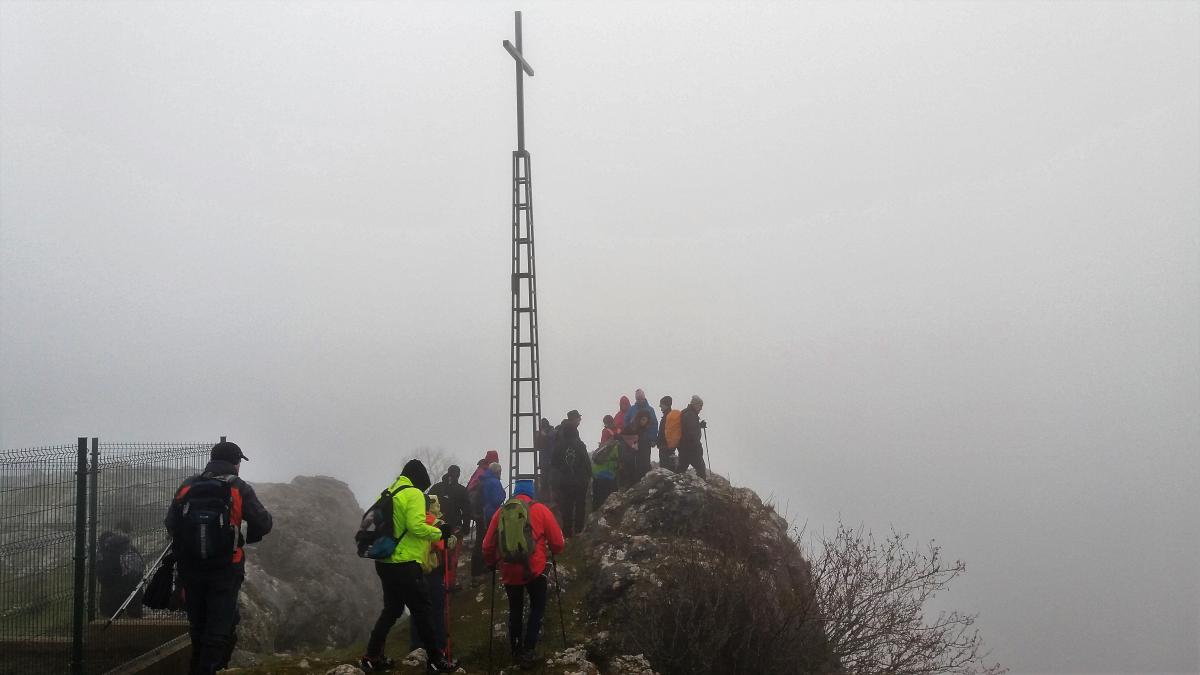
(691, 447)
(456, 512)
(119, 567)
(205, 523)
(572, 474)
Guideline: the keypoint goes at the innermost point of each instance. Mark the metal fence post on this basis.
(77, 624)
(93, 517)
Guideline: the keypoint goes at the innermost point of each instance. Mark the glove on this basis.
(703, 424)
(452, 541)
(447, 531)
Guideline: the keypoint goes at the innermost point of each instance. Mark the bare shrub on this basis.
(437, 460)
(872, 594)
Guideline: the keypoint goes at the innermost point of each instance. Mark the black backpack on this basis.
(206, 535)
(376, 537)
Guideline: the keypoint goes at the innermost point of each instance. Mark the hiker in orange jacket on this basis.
(520, 578)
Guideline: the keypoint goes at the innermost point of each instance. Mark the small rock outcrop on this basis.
(699, 577)
(305, 586)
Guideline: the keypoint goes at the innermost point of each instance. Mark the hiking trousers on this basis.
(572, 501)
(642, 460)
(696, 459)
(211, 600)
(526, 641)
(435, 581)
(601, 489)
(477, 565)
(403, 586)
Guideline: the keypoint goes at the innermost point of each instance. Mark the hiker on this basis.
(119, 568)
(543, 442)
(691, 448)
(627, 455)
(668, 433)
(638, 433)
(605, 465)
(521, 554)
(205, 521)
(609, 431)
(573, 471)
(401, 575)
(646, 432)
(456, 511)
(434, 567)
(619, 417)
(492, 489)
(475, 500)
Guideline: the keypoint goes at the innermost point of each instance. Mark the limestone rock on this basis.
(305, 586)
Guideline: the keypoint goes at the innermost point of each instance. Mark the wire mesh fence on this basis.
(80, 525)
(37, 540)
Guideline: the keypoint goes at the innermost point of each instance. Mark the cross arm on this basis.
(520, 59)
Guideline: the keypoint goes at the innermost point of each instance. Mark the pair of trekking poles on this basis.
(492, 616)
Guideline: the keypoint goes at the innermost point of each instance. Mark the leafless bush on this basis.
(871, 595)
(437, 460)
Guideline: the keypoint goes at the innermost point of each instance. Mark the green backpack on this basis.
(515, 532)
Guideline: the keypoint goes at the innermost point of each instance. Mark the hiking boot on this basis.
(440, 664)
(375, 664)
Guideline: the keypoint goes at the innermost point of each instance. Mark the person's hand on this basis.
(452, 541)
(703, 424)
(447, 531)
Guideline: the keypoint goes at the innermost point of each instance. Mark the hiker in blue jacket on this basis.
(646, 436)
(493, 492)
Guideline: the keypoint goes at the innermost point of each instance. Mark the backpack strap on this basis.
(391, 494)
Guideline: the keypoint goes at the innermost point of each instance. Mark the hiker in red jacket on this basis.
(527, 577)
(475, 498)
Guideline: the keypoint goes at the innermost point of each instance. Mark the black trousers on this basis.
(642, 459)
(695, 458)
(403, 586)
(435, 581)
(572, 501)
(211, 600)
(478, 567)
(601, 489)
(536, 589)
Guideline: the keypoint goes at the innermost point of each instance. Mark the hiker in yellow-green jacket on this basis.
(401, 575)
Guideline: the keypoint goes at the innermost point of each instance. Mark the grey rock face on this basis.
(305, 586)
(653, 549)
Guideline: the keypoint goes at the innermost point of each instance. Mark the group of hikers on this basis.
(414, 530)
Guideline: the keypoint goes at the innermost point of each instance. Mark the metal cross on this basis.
(522, 65)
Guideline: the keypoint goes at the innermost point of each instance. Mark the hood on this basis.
(415, 472)
(524, 487)
(489, 458)
(624, 403)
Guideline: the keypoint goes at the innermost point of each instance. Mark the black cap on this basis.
(229, 452)
(574, 415)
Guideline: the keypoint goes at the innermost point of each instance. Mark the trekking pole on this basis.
(558, 592)
(492, 622)
(446, 593)
(707, 457)
(141, 585)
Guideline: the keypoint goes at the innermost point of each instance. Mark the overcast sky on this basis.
(934, 266)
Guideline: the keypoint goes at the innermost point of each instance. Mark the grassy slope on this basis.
(469, 631)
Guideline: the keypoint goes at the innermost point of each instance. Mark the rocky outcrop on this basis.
(700, 576)
(305, 586)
